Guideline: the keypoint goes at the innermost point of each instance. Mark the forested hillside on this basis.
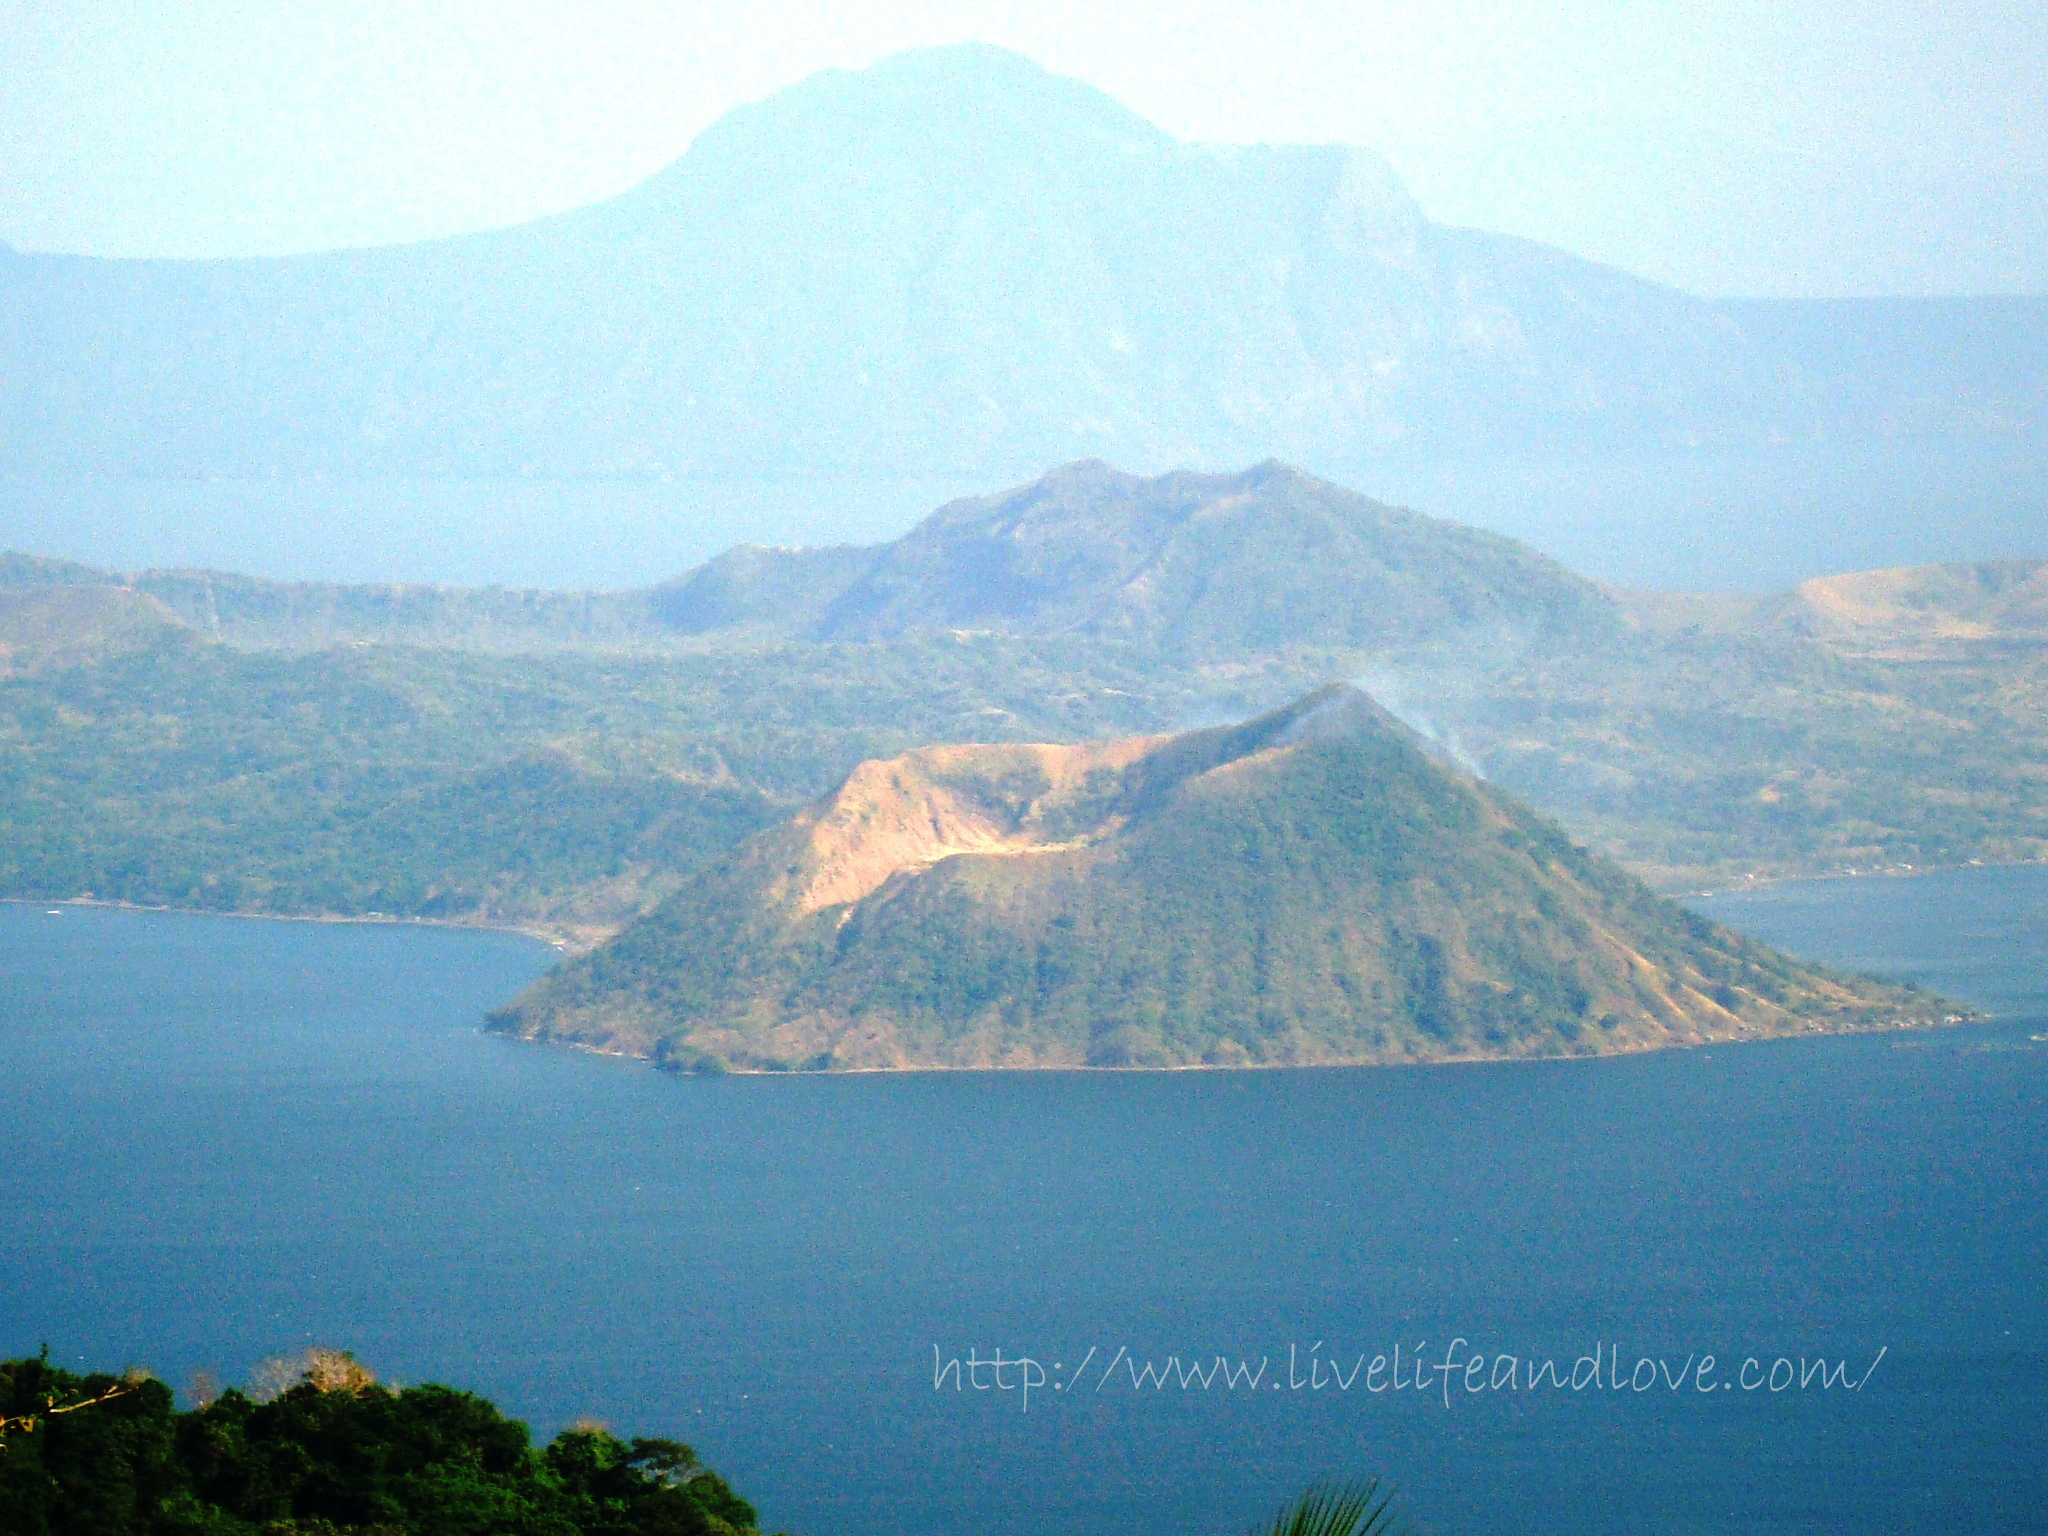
(1309, 887)
(562, 760)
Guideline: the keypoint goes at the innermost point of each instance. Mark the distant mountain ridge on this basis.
(208, 739)
(1265, 559)
(258, 613)
(1309, 887)
(1964, 609)
(954, 262)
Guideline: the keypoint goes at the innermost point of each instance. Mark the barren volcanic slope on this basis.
(1310, 887)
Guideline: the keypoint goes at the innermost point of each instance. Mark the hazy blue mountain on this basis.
(1264, 561)
(954, 263)
(1246, 564)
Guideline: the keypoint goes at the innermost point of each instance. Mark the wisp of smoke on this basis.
(1396, 695)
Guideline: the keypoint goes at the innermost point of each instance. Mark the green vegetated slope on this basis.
(168, 770)
(564, 759)
(144, 763)
(1731, 737)
(48, 628)
(1207, 566)
(1310, 887)
(157, 752)
(333, 1453)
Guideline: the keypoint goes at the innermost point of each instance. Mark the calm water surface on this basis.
(229, 1139)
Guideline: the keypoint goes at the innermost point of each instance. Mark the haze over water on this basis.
(244, 1137)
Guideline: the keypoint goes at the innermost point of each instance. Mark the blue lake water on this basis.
(228, 1139)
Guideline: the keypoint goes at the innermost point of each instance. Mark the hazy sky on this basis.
(1896, 146)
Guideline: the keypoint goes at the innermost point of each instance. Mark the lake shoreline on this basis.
(560, 938)
(1913, 1027)
(574, 940)
(1888, 872)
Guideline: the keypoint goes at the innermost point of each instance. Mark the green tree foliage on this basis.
(335, 1454)
(569, 788)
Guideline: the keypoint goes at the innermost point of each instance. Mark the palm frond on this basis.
(1357, 1509)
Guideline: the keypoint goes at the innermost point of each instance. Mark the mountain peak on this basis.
(1336, 712)
(895, 817)
(1305, 887)
(1087, 547)
(942, 65)
(968, 81)
(946, 265)
(970, 111)
(1266, 557)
